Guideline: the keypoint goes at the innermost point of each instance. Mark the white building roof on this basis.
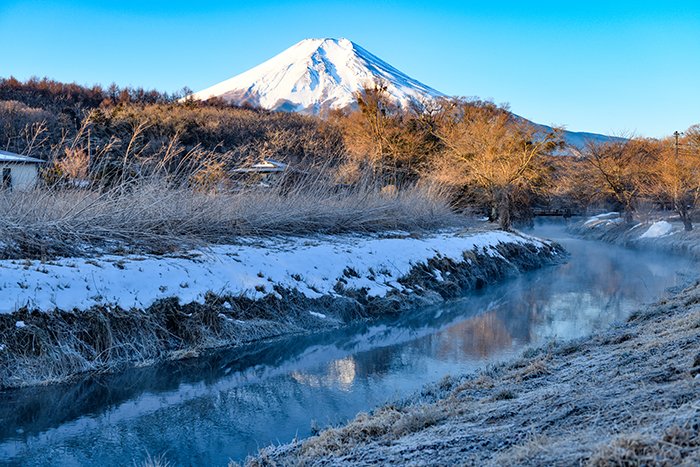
(268, 165)
(6, 156)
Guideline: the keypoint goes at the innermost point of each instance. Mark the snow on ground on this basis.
(311, 266)
(657, 229)
(603, 219)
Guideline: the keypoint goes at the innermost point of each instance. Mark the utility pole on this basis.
(677, 134)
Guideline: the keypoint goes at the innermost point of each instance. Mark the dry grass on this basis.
(154, 216)
(387, 421)
(533, 369)
(146, 191)
(679, 445)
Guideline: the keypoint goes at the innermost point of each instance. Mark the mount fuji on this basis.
(317, 75)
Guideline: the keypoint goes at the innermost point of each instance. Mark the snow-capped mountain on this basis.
(316, 75)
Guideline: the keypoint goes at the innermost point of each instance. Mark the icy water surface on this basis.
(208, 411)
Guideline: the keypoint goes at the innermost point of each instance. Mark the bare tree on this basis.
(621, 169)
(490, 148)
(677, 171)
(393, 142)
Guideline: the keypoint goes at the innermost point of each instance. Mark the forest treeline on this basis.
(490, 160)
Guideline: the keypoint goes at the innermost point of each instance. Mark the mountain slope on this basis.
(316, 75)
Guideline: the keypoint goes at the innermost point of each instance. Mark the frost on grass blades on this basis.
(154, 215)
(566, 403)
(319, 190)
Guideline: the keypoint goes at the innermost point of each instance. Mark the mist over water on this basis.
(210, 410)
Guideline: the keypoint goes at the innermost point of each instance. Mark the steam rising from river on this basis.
(208, 411)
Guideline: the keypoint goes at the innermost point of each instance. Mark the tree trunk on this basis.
(493, 213)
(629, 215)
(505, 208)
(683, 213)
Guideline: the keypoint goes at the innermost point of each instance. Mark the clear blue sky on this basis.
(601, 66)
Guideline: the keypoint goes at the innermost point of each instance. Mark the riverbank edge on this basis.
(53, 346)
(614, 231)
(627, 396)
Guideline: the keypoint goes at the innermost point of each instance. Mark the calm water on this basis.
(205, 412)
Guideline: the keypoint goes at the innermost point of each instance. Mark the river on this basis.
(207, 411)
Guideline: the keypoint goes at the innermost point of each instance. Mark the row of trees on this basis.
(491, 159)
(44, 92)
(499, 162)
(664, 172)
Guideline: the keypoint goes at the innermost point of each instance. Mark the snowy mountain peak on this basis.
(315, 75)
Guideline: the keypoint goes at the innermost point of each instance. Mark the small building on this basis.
(18, 172)
(268, 171)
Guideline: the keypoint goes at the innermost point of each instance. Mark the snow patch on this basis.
(324, 264)
(606, 216)
(658, 229)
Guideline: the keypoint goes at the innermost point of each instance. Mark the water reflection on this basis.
(478, 337)
(208, 410)
(339, 372)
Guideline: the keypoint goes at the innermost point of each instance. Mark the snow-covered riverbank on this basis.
(661, 234)
(69, 316)
(254, 269)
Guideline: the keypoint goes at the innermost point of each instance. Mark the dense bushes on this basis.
(44, 117)
(239, 133)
